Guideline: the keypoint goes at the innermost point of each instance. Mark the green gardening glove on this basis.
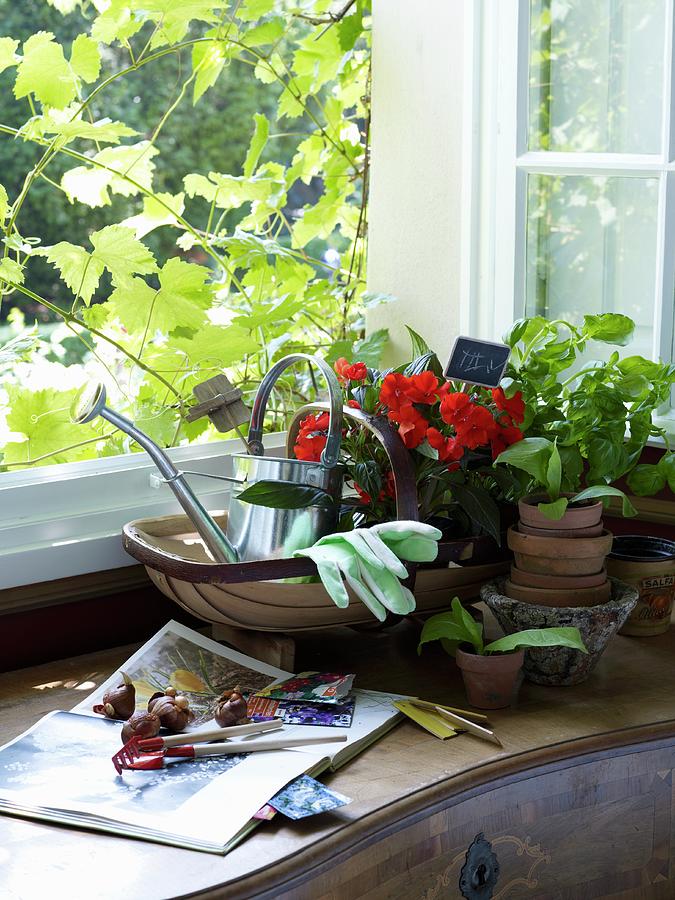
(369, 560)
(413, 541)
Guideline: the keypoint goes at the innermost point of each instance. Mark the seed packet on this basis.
(306, 797)
(314, 687)
(265, 814)
(335, 715)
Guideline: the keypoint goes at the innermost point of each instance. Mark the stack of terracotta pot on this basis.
(561, 562)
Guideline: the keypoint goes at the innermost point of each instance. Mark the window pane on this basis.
(596, 69)
(591, 248)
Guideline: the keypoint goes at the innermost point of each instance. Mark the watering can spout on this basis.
(90, 403)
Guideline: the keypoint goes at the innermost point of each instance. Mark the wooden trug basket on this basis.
(255, 596)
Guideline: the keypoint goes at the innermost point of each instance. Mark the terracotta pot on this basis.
(591, 531)
(562, 665)
(545, 596)
(559, 556)
(648, 563)
(557, 582)
(493, 681)
(584, 515)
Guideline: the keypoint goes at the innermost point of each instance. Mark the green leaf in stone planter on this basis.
(667, 465)
(285, 495)
(538, 637)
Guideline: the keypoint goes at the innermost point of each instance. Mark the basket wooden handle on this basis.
(399, 459)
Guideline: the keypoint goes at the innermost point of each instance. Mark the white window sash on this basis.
(65, 520)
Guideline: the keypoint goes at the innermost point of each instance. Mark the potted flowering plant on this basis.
(491, 672)
(453, 436)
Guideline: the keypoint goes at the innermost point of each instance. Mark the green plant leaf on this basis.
(80, 271)
(456, 626)
(480, 507)
(19, 348)
(370, 349)
(258, 141)
(285, 495)
(85, 58)
(666, 465)
(554, 510)
(603, 491)
(611, 328)
(208, 60)
(44, 72)
(8, 55)
(532, 455)
(646, 480)
(11, 270)
(538, 637)
(554, 472)
(92, 185)
(418, 346)
(123, 256)
(155, 213)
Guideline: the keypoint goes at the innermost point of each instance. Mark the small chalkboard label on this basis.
(477, 362)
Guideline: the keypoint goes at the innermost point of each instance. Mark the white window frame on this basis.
(498, 291)
(66, 520)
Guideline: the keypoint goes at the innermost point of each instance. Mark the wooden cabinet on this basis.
(577, 805)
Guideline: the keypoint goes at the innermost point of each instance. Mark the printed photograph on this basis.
(306, 797)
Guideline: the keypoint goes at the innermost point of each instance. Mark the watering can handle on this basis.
(331, 452)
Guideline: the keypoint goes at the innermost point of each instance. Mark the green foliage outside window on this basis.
(161, 276)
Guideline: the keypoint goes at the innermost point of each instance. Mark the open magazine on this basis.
(60, 770)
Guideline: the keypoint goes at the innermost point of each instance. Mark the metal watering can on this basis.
(253, 532)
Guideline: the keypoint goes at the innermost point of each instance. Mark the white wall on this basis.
(418, 170)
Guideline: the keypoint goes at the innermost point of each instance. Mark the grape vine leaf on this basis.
(64, 6)
(4, 204)
(267, 33)
(214, 345)
(230, 191)
(257, 145)
(44, 72)
(10, 270)
(208, 59)
(42, 417)
(19, 348)
(182, 299)
(319, 59)
(155, 213)
(78, 268)
(173, 19)
(254, 9)
(117, 22)
(8, 55)
(128, 170)
(123, 256)
(85, 58)
(103, 131)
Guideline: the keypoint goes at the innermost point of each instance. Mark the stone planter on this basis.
(565, 596)
(562, 665)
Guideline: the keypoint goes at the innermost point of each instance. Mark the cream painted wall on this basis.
(417, 164)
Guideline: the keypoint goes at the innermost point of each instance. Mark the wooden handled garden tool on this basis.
(191, 751)
(135, 747)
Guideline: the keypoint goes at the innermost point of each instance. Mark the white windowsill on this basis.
(65, 520)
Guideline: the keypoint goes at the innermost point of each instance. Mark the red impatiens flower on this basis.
(455, 407)
(347, 371)
(393, 392)
(311, 440)
(513, 406)
(476, 428)
(353, 404)
(504, 437)
(412, 426)
(449, 448)
(422, 388)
